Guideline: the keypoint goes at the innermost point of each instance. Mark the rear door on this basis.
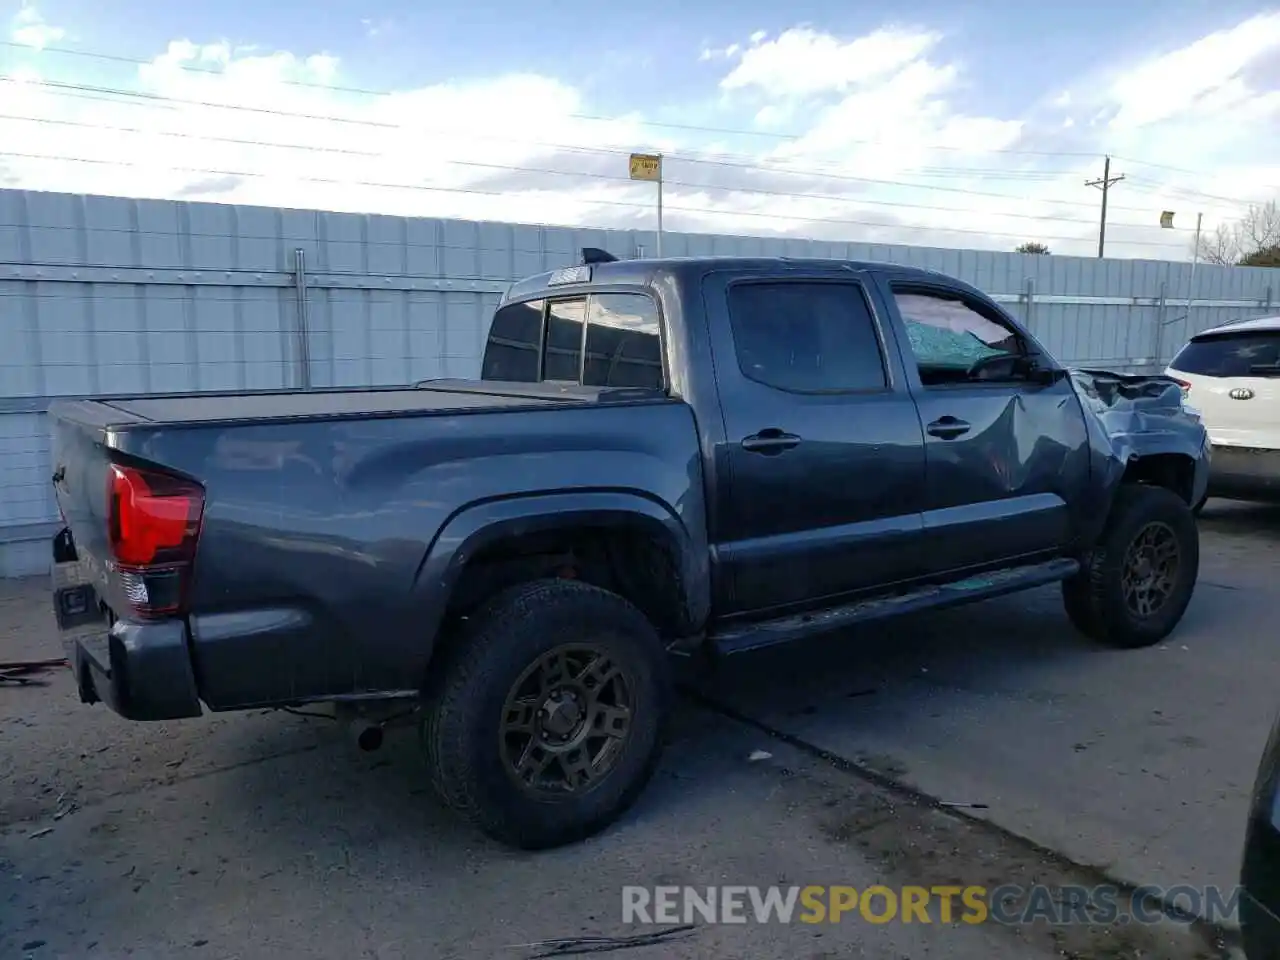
(1234, 381)
(822, 466)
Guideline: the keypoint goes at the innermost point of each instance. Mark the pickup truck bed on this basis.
(696, 456)
(333, 516)
(428, 397)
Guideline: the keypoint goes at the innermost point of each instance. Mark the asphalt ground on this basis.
(985, 745)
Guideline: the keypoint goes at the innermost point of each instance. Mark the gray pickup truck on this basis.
(662, 457)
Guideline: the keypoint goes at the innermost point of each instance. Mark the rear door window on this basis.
(624, 348)
(806, 336)
(1243, 354)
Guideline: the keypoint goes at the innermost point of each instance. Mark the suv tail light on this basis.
(153, 524)
(1183, 385)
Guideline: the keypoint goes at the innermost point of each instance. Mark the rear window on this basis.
(605, 340)
(1244, 354)
(564, 341)
(624, 348)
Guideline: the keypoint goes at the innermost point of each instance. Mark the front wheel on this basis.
(544, 720)
(1136, 585)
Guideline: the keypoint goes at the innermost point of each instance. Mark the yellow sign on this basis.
(646, 166)
(1166, 219)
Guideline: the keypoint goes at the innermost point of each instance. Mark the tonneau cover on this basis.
(327, 403)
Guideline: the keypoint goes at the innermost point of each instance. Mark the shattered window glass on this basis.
(945, 332)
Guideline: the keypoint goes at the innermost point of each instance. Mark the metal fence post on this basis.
(304, 339)
(1160, 305)
(1029, 297)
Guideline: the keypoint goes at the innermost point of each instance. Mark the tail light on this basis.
(154, 522)
(1183, 385)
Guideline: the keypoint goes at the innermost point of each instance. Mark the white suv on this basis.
(1231, 375)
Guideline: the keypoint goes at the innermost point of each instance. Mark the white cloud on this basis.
(1208, 113)
(29, 29)
(802, 61)
(1203, 77)
(720, 53)
(773, 115)
(888, 146)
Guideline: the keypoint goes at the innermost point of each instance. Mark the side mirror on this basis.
(1036, 370)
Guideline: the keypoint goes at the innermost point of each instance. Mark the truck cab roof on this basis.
(643, 272)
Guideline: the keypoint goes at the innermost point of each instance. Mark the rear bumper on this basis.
(141, 671)
(1245, 472)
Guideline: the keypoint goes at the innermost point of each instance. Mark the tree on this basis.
(1251, 241)
(1031, 246)
(1270, 257)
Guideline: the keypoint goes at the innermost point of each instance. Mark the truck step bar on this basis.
(739, 638)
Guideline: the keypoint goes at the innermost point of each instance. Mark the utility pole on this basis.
(1191, 281)
(1105, 184)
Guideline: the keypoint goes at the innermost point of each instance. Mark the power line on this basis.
(1187, 193)
(1194, 173)
(821, 170)
(704, 211)
(615, 178)
(166, 102)
(1163, 166)
(371, 92)
(595, 118)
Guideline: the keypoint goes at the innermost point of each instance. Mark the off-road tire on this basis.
(466, 695)
(1094, 598)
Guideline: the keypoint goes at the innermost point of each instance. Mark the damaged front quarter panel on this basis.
(1133, 418)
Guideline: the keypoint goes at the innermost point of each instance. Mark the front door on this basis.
(1004, 450)
(822, 466)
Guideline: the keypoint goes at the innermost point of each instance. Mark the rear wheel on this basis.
(544, 720)
(1136, 585)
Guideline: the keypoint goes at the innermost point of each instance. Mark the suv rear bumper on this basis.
(1245, 472)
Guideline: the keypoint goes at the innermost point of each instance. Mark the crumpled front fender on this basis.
(1131, 417)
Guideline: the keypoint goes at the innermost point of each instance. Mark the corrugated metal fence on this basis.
(102, 296)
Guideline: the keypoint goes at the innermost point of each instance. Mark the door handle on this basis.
(948, 428)
(770, 442)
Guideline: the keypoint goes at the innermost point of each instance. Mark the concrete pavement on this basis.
(266, 835)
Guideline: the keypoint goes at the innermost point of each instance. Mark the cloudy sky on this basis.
(966, 125)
